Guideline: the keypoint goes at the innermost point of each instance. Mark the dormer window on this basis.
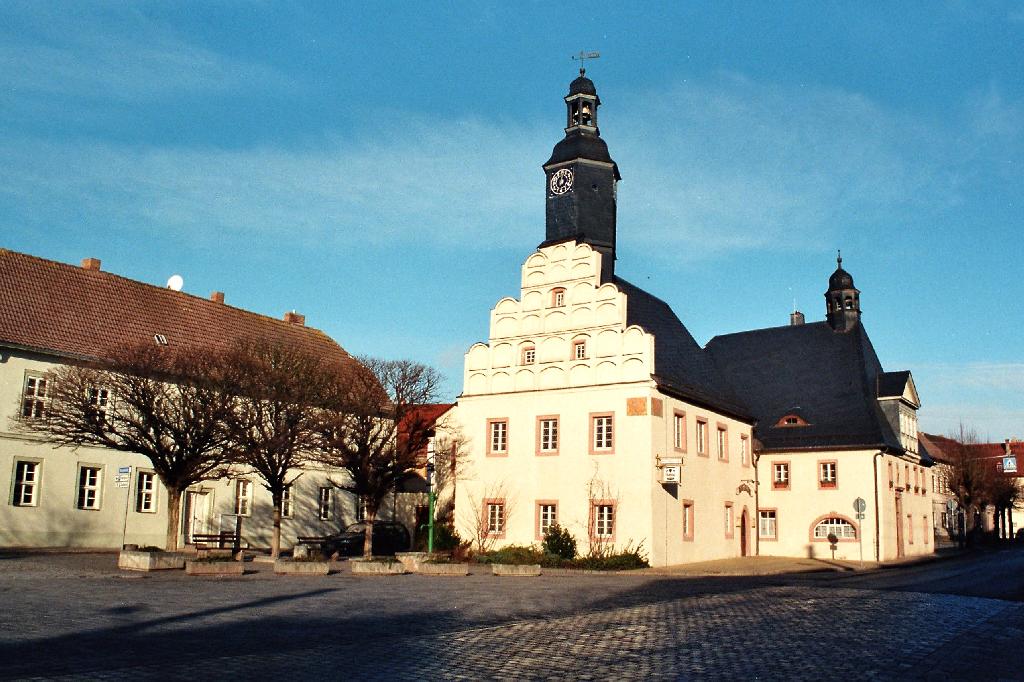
(792, 420)
(558, 298)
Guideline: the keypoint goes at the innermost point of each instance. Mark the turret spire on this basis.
(842, 300)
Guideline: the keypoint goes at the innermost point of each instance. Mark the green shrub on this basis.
(560, 542)
(512, 554)
(629, 558)
(445, 538)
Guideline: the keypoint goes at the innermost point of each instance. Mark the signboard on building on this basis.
(1009, 465)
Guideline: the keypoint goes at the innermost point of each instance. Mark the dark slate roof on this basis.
(69, 311)
(682, 367)
(830, 377)
(582, 86)
(840, 279)
(578, 144)
(892, 384)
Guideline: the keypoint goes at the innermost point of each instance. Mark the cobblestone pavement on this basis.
(76, 616)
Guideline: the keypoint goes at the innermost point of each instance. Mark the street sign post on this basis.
(859, 505)
(122, 480)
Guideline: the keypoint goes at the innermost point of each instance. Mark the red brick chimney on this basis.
(91, 264)
(217, 297)
(295, 318)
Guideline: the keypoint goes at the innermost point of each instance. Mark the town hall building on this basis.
(591, 406)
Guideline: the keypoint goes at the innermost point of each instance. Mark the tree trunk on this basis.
(275, 539)
(173, 518)
(371, 516)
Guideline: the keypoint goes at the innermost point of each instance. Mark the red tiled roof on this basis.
(990, 452)
(71, 311)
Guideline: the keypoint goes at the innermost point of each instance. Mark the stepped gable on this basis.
(829, 378)
(62, 309)
(681, 366)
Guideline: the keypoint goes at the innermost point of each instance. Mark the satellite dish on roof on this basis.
(175, 282)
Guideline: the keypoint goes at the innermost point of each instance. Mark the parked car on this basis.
(388, 537)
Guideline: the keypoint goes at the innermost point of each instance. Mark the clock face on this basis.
(561, 181)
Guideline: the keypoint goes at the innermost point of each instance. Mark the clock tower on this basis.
(582, 177)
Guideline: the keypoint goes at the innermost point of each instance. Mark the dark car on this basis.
(388, 538)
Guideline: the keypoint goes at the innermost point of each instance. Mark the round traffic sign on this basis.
(859, 505)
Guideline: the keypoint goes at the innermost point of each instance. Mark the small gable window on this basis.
(558, 298)
(579, 350)
(529, 355)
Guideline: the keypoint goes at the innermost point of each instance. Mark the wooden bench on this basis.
(204, 542)
(311, 542)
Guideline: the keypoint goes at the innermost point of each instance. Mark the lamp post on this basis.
(430, 496)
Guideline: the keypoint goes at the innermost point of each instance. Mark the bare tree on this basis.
(967, 476)
(278, 390)
(600, 495)
(373, 429)
(486, 517)
(154, 401)
(1005, 495)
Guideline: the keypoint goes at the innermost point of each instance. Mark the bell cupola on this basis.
(581, 177)
(842, 300)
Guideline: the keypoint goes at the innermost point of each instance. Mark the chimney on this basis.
(217, 297)
(295, 318)
(91, 264)
(796, 318)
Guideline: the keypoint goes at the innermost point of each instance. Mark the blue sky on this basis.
(376, 166)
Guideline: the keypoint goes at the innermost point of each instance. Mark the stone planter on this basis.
(521, 570)
(283, 567)
(134, 560)
(411, 560)
(443, 569)
(214, 567)
(377, 567)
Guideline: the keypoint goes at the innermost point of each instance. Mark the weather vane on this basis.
(583, 56)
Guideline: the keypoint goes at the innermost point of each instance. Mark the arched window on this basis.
(849, 303)
(792, 420)
(843, 529)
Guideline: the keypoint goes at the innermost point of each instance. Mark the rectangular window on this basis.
(910, 529)
(602, 433)
(925, 530)
(547, 435)
(679, 431)
(687, 519)
(780, 475)
(604, 521)
(286, 502)
(323, 504)
(89, 487)
(495, 518)
(26, 484)
(529, 355)
(35, 396)
(558, 298)
(98, 399)
(579, 350)
(702, 437)
(722, 444)
(827, 475)
(547, 516)
(744, 450)
(497, 437)
(243, 497)
(766, 524)
(145, 492)
(728, 520)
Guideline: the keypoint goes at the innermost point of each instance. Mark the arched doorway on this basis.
(744, 524)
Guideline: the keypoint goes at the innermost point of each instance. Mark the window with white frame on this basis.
(702, 437)
(35, 396)
(603, 435)
(827, 474)
(286, 502)
(687, 520)
(26, 483)
(89, 487)
(604, 520)
(145, 492)
(98, 399)
(529, 355)
(780, 475)
(679, 431)
(722, 443)
(579, 350)
(558, 298)
(549, 435)
(766, 527)
(243, 497)
(842, 529)
(323, 503)
(498, 437)
(728, 520)
(744, 450)
(495, 518)
(547, 516)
